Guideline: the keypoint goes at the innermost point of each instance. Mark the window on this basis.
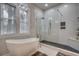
(7, 19)
(23, 18)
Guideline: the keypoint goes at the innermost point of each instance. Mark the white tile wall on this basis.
(70, 14)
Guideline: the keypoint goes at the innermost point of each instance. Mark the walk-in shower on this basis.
(48, 24)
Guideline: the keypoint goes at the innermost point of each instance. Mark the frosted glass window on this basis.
(4, 11)
(8, 22)
(23, 20)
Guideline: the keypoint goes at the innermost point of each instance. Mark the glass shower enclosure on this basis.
(48, 27)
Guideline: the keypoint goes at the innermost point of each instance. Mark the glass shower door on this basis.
(49, 27)
(40, 28)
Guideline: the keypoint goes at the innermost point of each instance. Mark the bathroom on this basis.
(37, 23)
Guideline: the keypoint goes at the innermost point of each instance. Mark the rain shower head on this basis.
(59, 12)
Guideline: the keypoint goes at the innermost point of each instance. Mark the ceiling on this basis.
(42, 5)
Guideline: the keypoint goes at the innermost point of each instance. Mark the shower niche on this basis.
(77, 30)
(62, 25)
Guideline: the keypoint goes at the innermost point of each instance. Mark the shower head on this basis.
(59, 12)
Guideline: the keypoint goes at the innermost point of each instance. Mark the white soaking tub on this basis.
(22, 47)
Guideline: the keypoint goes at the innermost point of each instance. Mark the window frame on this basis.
(27, 20)
(17, 18)
(12, 5)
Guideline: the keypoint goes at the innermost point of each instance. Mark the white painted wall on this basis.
(70, 13)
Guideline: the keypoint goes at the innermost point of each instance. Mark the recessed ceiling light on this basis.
(46, 5)
(65, 5)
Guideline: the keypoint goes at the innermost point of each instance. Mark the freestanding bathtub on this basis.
(22, 47)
